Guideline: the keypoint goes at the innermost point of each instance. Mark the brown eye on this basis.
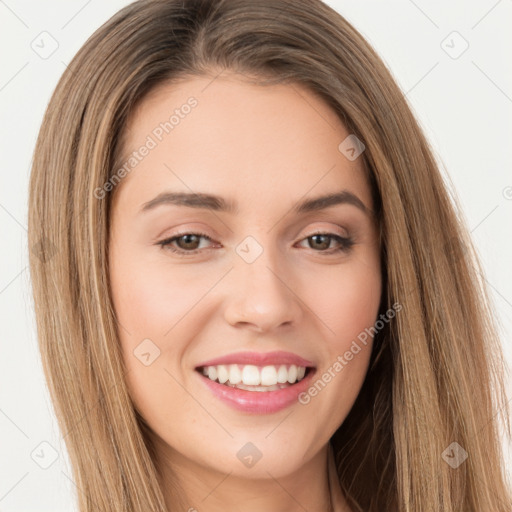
(189, 241)
(185, 243)
(321, 242)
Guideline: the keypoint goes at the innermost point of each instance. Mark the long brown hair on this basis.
(436, 371)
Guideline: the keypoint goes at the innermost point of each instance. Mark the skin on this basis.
(266, 148)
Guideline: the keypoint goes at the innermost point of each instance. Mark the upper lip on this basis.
(259, 359)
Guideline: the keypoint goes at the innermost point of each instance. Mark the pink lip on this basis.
(259, 402)
(259, 359)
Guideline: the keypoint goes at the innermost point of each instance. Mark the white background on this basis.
(464, 104)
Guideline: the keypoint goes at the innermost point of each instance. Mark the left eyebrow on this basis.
(218, 203)
(326, 201)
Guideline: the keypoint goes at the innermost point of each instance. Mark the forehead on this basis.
(243, 141)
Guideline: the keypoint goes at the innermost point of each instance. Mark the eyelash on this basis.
(346, 243)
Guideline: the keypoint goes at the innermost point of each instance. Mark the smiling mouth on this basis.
(255, 378)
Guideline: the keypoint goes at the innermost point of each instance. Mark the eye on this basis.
(188, 243)
(185, 244)
(322, 241)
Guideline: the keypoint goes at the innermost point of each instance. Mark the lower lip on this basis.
(259, 402)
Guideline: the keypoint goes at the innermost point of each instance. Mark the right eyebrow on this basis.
(192, 200)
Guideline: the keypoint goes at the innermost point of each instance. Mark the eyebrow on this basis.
(217, 203)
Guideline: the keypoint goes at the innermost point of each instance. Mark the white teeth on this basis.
(259, 388)
(212, 372)
(222, 373)
(292, 374)
(282, 374)
(266, 378)
(251, 375)
(235, 375)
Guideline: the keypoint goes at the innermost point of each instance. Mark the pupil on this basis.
(324, 245)
(189, 239)
(193, 239)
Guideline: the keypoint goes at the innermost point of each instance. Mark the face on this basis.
(258, 282)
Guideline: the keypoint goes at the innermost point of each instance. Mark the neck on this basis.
(206, 490)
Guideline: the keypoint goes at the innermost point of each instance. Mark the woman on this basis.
(253, 291)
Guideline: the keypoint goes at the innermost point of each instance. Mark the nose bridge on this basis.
(262, 291)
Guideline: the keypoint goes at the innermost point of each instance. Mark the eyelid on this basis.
(328, 230)
(345, 242)
(342, 233)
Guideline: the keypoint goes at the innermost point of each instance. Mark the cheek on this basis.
(346, 300)
(150, 300)
(157, 310)
(152, 307)
(351, 311)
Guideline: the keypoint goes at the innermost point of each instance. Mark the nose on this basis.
(261, 295)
